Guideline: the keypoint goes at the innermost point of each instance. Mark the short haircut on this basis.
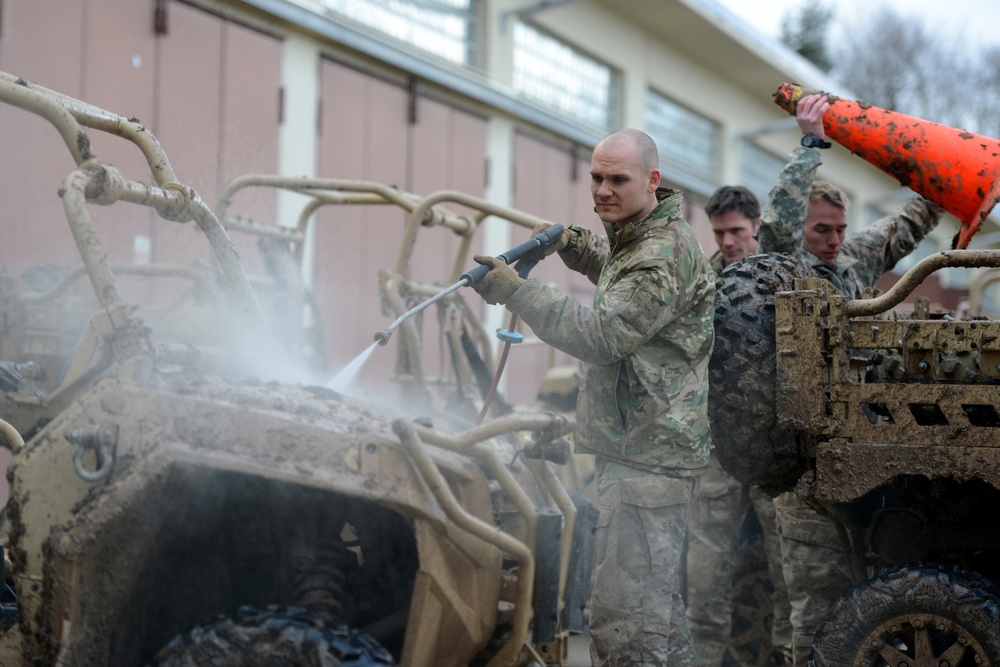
(645, 147)
(734, 198)
(830, 193)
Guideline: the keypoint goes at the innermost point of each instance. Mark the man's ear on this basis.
(654, 180)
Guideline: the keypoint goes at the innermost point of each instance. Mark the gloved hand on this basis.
(497, 285)
(560, 243)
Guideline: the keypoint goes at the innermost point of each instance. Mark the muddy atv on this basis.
(171, 504)
(884, 417)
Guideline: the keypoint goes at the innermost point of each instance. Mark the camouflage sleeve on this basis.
(586, 253)
(716, 262)
(630, 313)
(886, 241)
(788, 203)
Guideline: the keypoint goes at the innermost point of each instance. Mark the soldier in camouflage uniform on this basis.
(720, 501)
(734, 213)
(642, 408)
(807, 219)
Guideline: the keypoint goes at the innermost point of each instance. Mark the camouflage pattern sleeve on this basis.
(587, 253)
(716, 262)
(788, 203)
(878, 247)
(630, 312)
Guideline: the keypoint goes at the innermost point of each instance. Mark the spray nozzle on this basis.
(534, 245)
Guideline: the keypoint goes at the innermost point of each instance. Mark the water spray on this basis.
(536, 244)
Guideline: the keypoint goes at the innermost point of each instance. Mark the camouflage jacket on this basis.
(718, 262)
(645, 344)
(865, 255)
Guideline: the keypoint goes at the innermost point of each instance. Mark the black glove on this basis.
(499, 284)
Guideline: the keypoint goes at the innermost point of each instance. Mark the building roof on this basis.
(723, 43)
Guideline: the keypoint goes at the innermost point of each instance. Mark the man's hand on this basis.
(809, 114)
(500, 283)
(560, 243)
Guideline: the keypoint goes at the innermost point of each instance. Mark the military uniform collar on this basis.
(665, 197)
(841, 266)
(836, 274)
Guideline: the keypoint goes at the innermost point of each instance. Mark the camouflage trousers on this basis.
(817, 572)
(636, 611)
(717, 513)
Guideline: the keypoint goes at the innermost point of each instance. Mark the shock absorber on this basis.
(320, 574)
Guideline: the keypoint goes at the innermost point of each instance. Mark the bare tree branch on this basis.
(897, 62)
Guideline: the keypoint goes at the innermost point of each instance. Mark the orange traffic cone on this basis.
(958, 170)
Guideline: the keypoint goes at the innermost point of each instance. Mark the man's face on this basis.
(825, 227)
(734, 234)
(623, 192)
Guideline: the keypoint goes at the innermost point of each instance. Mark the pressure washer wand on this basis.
(536, 244)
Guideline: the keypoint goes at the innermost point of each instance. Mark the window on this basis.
(554, 73)
(684, 138)
(759, 171)
(446, 28)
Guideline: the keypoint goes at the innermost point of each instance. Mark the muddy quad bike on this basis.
(167, 508)
(884, 418)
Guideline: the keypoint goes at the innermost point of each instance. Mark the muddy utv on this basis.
(883, 416)
(171, 504)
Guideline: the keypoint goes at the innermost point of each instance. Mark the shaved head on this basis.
(624, 175)
(645, 148)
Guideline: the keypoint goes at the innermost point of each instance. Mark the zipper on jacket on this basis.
(622, 417)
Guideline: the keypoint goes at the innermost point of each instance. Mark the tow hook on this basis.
(103, 440)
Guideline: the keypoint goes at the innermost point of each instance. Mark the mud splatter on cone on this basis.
(956, 169)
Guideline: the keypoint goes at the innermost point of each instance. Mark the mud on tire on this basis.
(274, 637)
(750, 444)
(920, 615)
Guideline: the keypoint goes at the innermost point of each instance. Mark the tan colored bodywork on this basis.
(81, 550)
(897, 417)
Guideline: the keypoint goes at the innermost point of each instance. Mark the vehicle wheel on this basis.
(748, 440)
(750, 636)
(921, 616)
(8, 599)
(275, 637)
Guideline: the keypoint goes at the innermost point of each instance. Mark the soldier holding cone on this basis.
(807, 219)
